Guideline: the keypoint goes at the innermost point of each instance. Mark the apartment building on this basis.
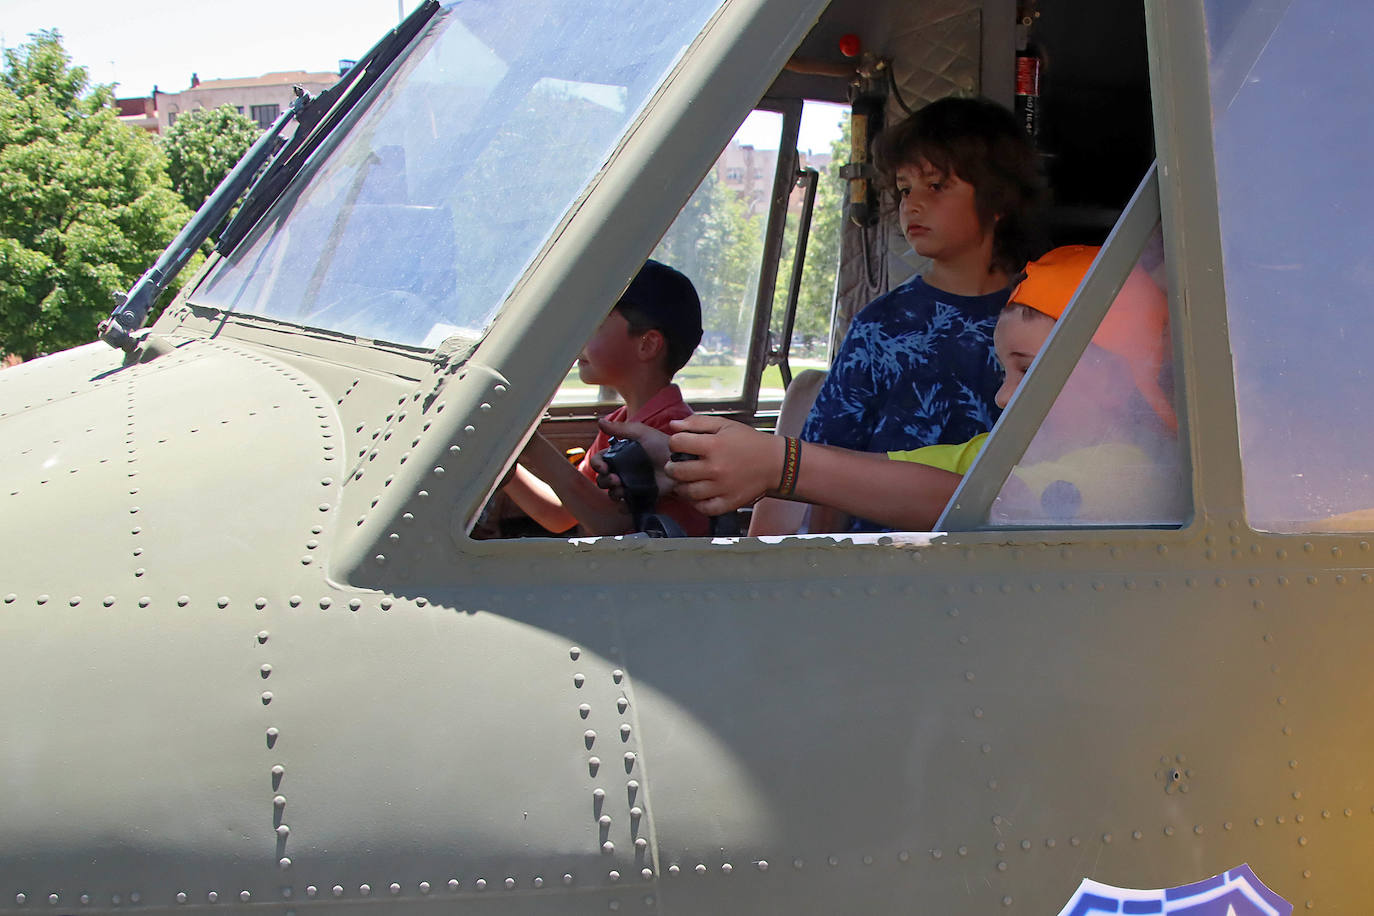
(748, 171)
(261, 98)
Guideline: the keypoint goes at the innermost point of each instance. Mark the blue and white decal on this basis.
(1235, 893)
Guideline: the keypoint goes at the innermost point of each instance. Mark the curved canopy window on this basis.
(415, 221)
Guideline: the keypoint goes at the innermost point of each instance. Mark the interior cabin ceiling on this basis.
(935, 50)
(934, 47)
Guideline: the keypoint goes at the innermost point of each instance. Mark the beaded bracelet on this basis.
(791, 465)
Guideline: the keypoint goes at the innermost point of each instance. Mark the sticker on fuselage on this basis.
(1234, 893)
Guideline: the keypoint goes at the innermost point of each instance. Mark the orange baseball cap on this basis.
(1134, 328)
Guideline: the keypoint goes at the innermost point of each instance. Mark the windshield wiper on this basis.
(318, 117)
(131, 308)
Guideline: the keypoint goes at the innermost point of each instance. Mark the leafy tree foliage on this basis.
(717, 242)
(203, 146)
(86, 208)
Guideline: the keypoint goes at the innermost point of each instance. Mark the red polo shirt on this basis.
(660, 410)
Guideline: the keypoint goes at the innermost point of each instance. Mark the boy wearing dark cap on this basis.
(648, 336)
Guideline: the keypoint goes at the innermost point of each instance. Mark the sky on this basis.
(140, 44)
(145, 43)
(819, 126)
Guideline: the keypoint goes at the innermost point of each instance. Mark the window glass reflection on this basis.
(416, 219)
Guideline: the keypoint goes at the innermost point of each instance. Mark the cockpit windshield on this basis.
(414, 222)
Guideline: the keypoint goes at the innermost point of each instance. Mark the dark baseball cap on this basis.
(668, 299)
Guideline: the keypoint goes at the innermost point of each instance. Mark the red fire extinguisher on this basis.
(1028, 67)
(1028, 92)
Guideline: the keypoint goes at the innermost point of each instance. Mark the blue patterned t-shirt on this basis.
(916, 368)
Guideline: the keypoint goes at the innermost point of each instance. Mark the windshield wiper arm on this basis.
(318, 118)
(131, 308)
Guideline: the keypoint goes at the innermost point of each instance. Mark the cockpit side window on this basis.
(720, 241)
(717, 241)
(1293, 121)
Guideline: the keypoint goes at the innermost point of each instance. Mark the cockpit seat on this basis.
(777, 516)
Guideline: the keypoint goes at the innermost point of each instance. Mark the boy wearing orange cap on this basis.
(1117, 378)
(1105, 452)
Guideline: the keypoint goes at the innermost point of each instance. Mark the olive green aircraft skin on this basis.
(254, 661)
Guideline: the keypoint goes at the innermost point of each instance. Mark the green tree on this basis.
(87, 206)
(718, 243)
(203, 146)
